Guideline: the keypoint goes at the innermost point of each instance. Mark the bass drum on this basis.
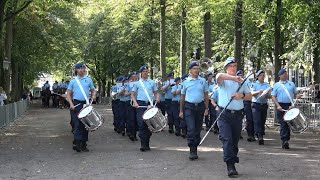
(296, 120)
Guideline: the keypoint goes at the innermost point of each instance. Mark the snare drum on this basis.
(154, 119)
(296, 120)
(91, 119)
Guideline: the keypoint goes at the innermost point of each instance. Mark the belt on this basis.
(261, 104)
(83, 102)
(195, 104)
(168, 99)
(147, 102)
(175, 102)
(231, 111)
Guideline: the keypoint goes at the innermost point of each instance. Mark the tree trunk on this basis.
(8, 46)
(238, 34)
(103, 92)
(207, 35)
(151, 39)
(316, 55)
(2, 7)
(108, 89)
(277, 40)
(183, 42)
(163, 38)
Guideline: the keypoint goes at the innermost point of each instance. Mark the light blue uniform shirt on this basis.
(226, 89)
(280, 93)
(194, 89)
(211, 88)
(215, 94)
(176, 97)
(168, 94)
(46, 85)
(115, 89)
(259, 86)
(55, 86)
(127, 98)
(63, 85)
(150, 86)
(87, 85)
(122, 97)
(129, 88)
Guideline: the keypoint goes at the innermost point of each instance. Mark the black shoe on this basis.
(193, 153)
(215, 131)
(231, 169)
(131, 138)
(184, 133)
(251, 139)
(285, 145)
(144, 147)
(171, 129)
(83, 147)
(123, 133)
(178, 132)
(115, 129)
(77, 146)
(261, 141)
(118, 131)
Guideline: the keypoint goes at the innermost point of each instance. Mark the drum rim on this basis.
(83, 109)
(289, 111)
(148, 110)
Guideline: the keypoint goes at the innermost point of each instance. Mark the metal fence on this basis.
(10, 112)
(310, 110)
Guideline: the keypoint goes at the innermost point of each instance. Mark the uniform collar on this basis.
(283, 82)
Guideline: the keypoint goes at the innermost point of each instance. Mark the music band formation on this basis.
(142, 106)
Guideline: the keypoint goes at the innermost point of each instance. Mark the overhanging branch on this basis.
(24, 6)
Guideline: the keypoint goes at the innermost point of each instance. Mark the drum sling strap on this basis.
(287, 92)
(145, 91)
(81, 88)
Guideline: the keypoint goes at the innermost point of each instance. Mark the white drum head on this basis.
(291, 114)
(150, 113)
(85, 111)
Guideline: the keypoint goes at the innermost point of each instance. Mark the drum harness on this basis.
(204, 137)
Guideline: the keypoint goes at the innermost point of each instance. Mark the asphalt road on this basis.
(39, 146)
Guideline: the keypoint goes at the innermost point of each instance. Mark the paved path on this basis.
(38, 146)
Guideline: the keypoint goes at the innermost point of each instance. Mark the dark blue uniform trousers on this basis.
(284, 128)
(259, 112)
(175, 108)
(80, 132)
(144, 132)
(169, 112)
(162, 107)
(132, 125)
(230, 126)
(115, 111)
(123, 115)
(193, 115)
(249, 118)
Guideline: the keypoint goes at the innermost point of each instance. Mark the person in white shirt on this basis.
(3, 96)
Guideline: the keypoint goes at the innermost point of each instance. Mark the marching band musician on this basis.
(114, 104)
(122, 106)
(209, 119)
(230, 121)
(248, 109)
(194, 106)
(183, 124)
(259, 106)
(168, 98)
(214, 108)
(132, 113)
(282, 102)
(77, 101)
(140, 98)
(176, 91)
(117, 116)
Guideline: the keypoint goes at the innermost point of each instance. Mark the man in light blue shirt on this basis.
(176, 91)
(115, 105)
(77, 100)
(132, 126)
(194, 105)
(162, 104)
(168, 98)
(260, 105)
(140, 98)
(230, 101)
(282, 101)
(122, 106)
(214, 108)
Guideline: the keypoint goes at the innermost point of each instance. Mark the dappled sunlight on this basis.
(186, 149)
(283, 154)
(11, 134)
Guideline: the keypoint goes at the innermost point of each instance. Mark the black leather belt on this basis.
(195, 104)
(77, 101)
(261, 104)
(147, 102)
(231, 111)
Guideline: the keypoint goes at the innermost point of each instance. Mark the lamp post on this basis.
(301, 71)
